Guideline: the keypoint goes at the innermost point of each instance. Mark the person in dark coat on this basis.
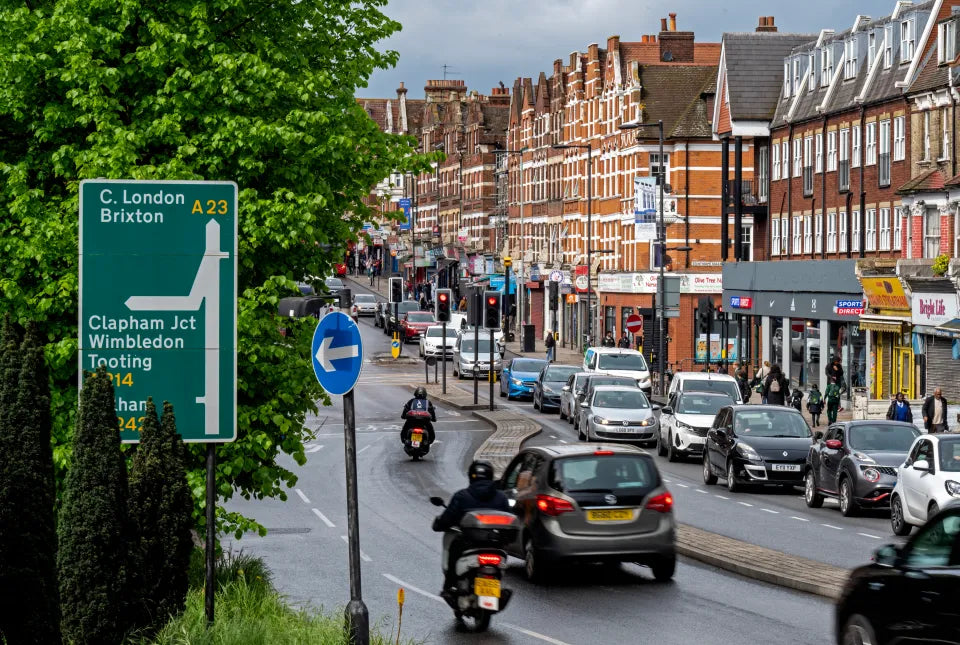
(624, 342)
(776, 389)
(935, 413)
(899, 409)
(608, 340)
(835, 370)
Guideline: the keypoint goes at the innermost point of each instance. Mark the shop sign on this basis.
(648, 282)
(741, 302)
(571, 299)
(582, 279)
(885, 293)
(934, 309)
(848, 307)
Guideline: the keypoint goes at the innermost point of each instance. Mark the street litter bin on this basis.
(529, 338)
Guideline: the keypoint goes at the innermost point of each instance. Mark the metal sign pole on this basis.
(358, 619)
(211, 542)
(491, 372)
(443, 349)
(476, 347)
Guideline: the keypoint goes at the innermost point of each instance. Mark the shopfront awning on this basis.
(891, 324)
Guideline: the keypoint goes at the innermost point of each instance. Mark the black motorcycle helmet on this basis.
(480, 470)
(420, 393)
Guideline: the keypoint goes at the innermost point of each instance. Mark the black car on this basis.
(587, 394)
(908, 594)
(756, 444)
(856, 462)
(390, 321)
(380, 314)
(547, 388)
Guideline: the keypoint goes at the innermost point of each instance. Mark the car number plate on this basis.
(610, 515)
(790, 468)
(487, 587)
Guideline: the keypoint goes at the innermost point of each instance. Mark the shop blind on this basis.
(942, 371)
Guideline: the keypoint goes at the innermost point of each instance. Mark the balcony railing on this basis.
(844, 175)
(807, 181)
(884, 169)
(748, 194)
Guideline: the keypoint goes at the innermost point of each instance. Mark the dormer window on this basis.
(811, 65)
(796, 75)
(946, 42)
(871, 48)
(887, 46)
(786, 79)
(826, 65)
(906, 40)
(850, 58)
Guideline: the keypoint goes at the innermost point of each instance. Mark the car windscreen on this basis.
(437, 332)
(629, 400)
(730, 388)
(770, 423)
(693, 403)
(407, 306)
(887, 437)
(950, 454)
(467, 347)
(334, 283)
(601, 473)
(420, 317)
(527, 365)
(364, 298)
(632, 362)
(612, 380)
(559, 373)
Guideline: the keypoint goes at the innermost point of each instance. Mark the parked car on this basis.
(926, 482)
(856, 462)
(548, 388)
(908, 594)
(468, 331)
(433, 343)
(756, 444)
(592, 503)
(619, 362)
(380, 314)
(469, 357)
(705, 382)
(413, 323)
(593, 381)
(365, 303)
(519, 375)
(404, 307)
(334, 286)
(570, 392)
(684, 422)
(617, 413)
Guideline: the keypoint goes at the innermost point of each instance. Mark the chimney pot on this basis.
(673, 21)
(663, 24)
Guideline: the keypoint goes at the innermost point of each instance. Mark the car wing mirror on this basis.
(922, 465)
(834, 444)
(887, 555)
(566, 388)
(818, 435)
(665, 409)
(437, 501)
(584, 404)
(721, 433)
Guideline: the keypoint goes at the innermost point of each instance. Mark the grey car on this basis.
(616, 413)
(469, 358)
(366, 304)
(590, 503)
(593, 381)
(570, 392)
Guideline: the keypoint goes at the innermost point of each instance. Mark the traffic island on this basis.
(454, 398)
(510, 431)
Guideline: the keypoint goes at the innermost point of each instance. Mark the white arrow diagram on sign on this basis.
(325, 353)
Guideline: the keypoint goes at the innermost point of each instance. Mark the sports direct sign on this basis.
(848, 307)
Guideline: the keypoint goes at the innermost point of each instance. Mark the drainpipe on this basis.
(686, 201)
(823, 193)
(863, 192)
(790, 195)
(849, 216)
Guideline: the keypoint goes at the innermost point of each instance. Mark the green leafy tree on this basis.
(94, 526)
(245, 90)
(161, 506)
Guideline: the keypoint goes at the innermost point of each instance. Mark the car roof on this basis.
(615, 350)
(708, 394)
(852, 423)
(572, 450)
(615, 388)
(703, 376)
(760, 407)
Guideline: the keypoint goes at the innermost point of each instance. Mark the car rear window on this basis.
(559, 373)
(420, 318)
(407, 306)
(364, 298)
(883, 437)
(633, 362)
(702, 404)
(527, 365)
(724, 386)
(601, 473)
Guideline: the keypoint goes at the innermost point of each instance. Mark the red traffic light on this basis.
(491, 301)
(442, 297)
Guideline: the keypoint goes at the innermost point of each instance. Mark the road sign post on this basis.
(337, 351)
(158, 308)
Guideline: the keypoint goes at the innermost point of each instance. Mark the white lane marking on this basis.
(682, 485)
(364, 448)
(721, 497)
(802, 519)
(363, 556)
(767, 510)
(875, 537)
(313, 448)
(305, 499)
(323, 518)
(744, 504)
(409, 587)
(562, 441)
(532, 634)
(831, 526)
(553, 436)
(666, 480)
(700, 490)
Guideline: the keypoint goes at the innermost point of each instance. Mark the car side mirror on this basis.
(584, 404)
(834, 444)
(887, 555)
(922, 464)
(721, 433)
(437, 501)
(818, 435)
(665, 409)
(566, 388)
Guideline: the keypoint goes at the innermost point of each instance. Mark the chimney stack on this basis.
(766, 24)
(673, 21)
(663, 24)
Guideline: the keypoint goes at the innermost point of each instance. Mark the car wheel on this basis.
(672, 455)
(898, 523)
(502, 393)
(533, 568)
(732, 485)
(810, 494)
(663, 568)
(536, 406)
(661, 450)
(848, 505)
(708, 477)
(858, 631)
(563, 417)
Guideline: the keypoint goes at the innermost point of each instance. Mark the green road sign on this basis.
(158, 300)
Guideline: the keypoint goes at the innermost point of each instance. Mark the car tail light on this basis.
(553, 506)
(603, 452)
(489, 559)
(662, 503)
(495, 519)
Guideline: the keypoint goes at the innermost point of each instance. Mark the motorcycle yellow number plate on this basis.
(610, 515)
(417, 437)
(487, 587)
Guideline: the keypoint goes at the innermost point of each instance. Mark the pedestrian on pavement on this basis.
(815, 404)
(370, 273)
(776, 389)
(551, 344)
(796, 399)
(740, 373)
(899, 409)
(423, 302)
(624, 342)
(608, 340)
(935, 413)
(835, 370)
(832, 396)
(760, 379)
(462, 306)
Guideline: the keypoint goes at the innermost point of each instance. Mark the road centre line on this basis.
(323, 518)
(313, 449)
(700, 490)
(363, 556)
(306, 500)
(802, 519)
(410, 587)
(532, 634)
(875, 537)
(721, 497)
(744, 504)
(767, 510)
(364, 448)
(562, 441)
(666, 480)
(831, 526)
(682, 485)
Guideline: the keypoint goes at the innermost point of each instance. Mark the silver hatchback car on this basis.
(590, 503)
(617, 413)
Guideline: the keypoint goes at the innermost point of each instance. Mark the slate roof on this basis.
(754, 71)
(932, 75)
(676, 95)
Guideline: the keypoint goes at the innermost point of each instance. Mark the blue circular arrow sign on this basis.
(337, 352)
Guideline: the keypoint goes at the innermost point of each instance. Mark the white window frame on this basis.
(870, 232)
(884, 229)
(855, 146)
(785, 159)
(775, 236)
(931, 239)
(796, 75)
(775, 165)
(871, 48)
(887, 46)
(870, 153)
(797, 157)
(842, 232)
(826, 65)
(907, 40)
(897, 228)
(926, 135)
(797, 235)
(786, 79)
(818, 163)
(945, 134)
(811, 66)
(818, 234)
(832, 151)
(850, 58)
(899, 138)
(807, 234)
(855, 232)
(831, 232)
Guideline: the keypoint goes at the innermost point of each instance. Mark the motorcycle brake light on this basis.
(553, 506)
(491, 559)
(495, 519)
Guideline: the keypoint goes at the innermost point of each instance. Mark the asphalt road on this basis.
(307, 551)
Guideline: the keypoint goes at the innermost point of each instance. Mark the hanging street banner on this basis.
(158, 300)
(645, 207)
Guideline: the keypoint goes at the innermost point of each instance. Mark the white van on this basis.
(619, 362)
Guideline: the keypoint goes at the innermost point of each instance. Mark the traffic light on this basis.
(720, 315)
(346, 298)
(491, 309)
(396, 290)
(554, 294)
(704, 314)
(443, 305)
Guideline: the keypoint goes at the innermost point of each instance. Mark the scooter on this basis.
(479, 593)
(416, 438)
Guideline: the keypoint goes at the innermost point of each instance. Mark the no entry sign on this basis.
(634, 324)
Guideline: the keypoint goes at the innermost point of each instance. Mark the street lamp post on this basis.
(589, 149)
(519, 289)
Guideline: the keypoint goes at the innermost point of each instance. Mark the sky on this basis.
(487, 41)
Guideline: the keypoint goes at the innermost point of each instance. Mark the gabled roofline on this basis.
(721, 75)
(872, 73)
(921, 44)
(795, 101)
(834, 82)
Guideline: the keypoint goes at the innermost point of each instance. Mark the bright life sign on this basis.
(158, 296)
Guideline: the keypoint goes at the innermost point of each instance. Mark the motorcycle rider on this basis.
(421, 407)
(481, 494)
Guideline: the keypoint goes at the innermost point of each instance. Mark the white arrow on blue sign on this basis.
(337, 353)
